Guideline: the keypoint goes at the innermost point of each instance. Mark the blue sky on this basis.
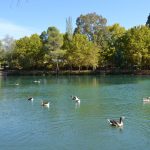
(34, 16)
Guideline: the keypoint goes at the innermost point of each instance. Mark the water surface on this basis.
(64, 125)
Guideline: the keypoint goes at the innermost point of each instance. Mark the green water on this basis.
(26, 125)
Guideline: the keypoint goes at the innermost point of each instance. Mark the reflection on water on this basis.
(77, 105)
(70, 125)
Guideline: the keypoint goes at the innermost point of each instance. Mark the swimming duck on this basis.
(76, 99)
(45, 103)
(146, 99)
(30, 99)
(116, 123)
(36, 81)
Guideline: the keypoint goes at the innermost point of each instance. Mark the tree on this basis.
(27, 53)
(102, 39)
(7, 46)
(8, 43)
(69, 28)
(2, 55)
(116, 32)
(52, 41)
(148, 21)
(58, 57)
(135, 47)
(44, 37)
(90, 24)
(82, 53)
(36, 51)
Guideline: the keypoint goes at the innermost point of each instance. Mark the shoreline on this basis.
(74, 72)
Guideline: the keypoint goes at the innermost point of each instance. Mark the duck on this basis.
(36, 81)
(45, 103)
(30, 99)
(146, 99)
(76, 99)
(116, 123)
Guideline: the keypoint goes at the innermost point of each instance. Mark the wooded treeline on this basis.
(91, 45)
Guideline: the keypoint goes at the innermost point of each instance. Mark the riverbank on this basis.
(74, 72)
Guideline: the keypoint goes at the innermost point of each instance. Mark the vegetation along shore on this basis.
(74, 72)
(92, 47)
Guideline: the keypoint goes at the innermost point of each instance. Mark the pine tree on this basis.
(148, 21)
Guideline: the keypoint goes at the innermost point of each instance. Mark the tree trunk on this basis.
(57, 67)
(79, 68)
(71, 68)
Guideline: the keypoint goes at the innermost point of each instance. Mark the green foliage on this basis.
(114, 56)
(27, 52)
(67, 41)
(58, 57)
(135, 46)
(2, 53)
(52, 42)
(116, 31)
(92, 45)
(82, 52)
(51, 39)
(148, 21)
(90, 24)
(106, 39)
(1, 50)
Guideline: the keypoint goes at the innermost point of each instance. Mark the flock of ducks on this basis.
(77, 101)
(47, 103)
(112, 122)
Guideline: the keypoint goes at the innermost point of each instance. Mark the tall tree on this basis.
(55, 39)
(52, 42)
(106, 39)
(90, 24)
(148, 21)
(69, 28)
(67, 37)
(8, 43)
(52, 39)
(116, 32)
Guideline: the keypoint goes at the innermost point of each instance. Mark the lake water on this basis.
(26, 125)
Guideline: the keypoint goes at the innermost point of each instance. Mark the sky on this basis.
(19, 18)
